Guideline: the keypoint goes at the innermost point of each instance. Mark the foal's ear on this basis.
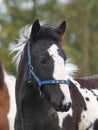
(61, 28)
(35, 30)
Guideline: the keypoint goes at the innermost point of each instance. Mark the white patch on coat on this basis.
(88, 116)
(60, 73)
(63, 115)
(10, 81)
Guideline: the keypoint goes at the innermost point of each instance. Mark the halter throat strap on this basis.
(32, 74)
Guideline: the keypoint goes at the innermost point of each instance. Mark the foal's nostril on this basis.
(67, 106)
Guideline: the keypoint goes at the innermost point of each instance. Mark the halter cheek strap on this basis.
(32, 74)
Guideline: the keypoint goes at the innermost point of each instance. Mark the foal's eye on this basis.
(43, 61)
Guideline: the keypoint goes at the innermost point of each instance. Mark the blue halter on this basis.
(39, 82)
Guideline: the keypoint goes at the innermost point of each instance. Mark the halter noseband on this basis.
(40, 82)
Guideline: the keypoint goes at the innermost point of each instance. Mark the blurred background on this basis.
(81, 38)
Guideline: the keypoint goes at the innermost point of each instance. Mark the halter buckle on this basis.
(30, 67)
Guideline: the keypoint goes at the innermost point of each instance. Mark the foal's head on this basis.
(49, 60)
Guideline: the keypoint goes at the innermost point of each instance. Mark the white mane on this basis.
(24, 36)
(70, 68)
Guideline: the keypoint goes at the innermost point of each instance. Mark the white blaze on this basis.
(59, 72)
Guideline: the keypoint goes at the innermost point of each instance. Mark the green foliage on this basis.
(85, 25)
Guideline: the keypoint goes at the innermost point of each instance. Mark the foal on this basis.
(47, 97)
